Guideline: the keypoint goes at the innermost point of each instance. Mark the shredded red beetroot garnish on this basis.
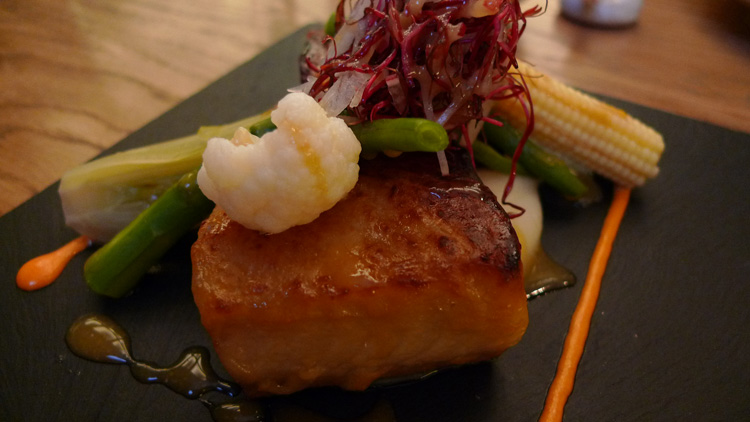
(437, 59)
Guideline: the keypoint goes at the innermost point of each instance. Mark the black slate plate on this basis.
(669, 340)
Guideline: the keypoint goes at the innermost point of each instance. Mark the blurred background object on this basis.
(604, 13)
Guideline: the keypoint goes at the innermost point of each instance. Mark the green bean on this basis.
(493, 160)
(116, 268)
(404, 134)
(547, 167)
(262, 127)
(330, 28)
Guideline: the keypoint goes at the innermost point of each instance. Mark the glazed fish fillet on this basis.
(411, 272)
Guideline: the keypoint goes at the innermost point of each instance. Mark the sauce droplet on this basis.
(546, 275)
(43, 270)
(100, 339)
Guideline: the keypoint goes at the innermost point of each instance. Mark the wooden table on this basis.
(77, 76)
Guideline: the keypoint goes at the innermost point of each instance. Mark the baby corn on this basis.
(581, 128)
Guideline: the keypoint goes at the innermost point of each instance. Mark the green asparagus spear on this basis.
(116, 268)
(545, 166)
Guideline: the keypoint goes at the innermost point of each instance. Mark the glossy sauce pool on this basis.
(98, 338)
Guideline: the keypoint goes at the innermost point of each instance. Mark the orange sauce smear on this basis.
(562, 385)
(43, 270)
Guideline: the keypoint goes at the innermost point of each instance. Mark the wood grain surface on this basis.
(76, 76)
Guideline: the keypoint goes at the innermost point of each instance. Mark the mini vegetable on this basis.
(116, 268)
(577, 126)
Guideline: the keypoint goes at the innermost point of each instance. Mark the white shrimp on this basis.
(288, 176)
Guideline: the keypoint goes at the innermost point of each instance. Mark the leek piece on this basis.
(103, 196)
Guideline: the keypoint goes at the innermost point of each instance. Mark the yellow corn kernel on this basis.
(585, 130)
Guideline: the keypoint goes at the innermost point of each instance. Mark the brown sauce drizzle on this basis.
(100, 339)
(546, 275)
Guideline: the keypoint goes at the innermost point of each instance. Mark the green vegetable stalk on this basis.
(116, 268)
(546, 167)
(404, 134)
(493, 160)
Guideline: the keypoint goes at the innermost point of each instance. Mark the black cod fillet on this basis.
(411, 272)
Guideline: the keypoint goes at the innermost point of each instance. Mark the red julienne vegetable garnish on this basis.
(440, 60)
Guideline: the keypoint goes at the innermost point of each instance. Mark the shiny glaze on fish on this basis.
(412, 271)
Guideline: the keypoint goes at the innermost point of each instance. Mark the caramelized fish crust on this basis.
(411, 272)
